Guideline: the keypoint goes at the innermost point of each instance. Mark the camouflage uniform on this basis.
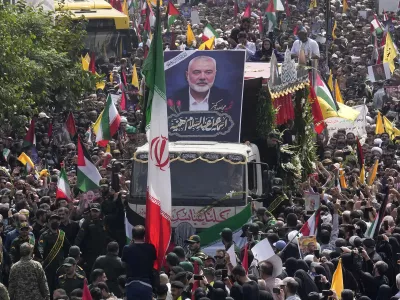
(3, 292)
(28, 281)
(16, 243)
(130, 146)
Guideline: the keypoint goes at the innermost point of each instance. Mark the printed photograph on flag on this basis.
(312, 202)
(186, 11)
(204, 94)
(307, 245)
(393, 91)
(379, 72)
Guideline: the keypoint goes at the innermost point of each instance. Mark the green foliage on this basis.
(40, 63)
(265, 113)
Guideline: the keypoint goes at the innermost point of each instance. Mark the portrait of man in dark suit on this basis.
(201, 94)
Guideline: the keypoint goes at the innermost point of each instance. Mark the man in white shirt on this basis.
(311, 48)
(250, 47)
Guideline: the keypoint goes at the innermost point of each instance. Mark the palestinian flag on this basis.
(270, 12)
(30, 138)
(208, 33)
(70, 125)
(319, 124)
(323, 93)
(88, 177)
(373, 229)
(211, 239)
(173, 13)
(376, 26)
(107, 123)
(63, 189)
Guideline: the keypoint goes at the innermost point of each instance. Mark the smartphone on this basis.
(276, 290)
(224, 273)
(317, 278)
(197, 277)
(316, 253)
(327, 293)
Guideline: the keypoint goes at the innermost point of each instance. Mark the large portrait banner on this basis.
(204, 94)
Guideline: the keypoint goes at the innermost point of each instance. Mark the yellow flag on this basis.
(372, 173)
(190, 36)
(362, 174)
(330, 81)
(390, 53)
(345, 112)
(208, 45)
(379, 129)
(313, 4)
(337, 279)
(26, 160)
(333, 30)
(390, 129)
(342, 179)
(338, 94)
(345, 6)
(108, 148)
(96, 125)
(100, 85)
(85, 64)
(125, 8)
(135, 80)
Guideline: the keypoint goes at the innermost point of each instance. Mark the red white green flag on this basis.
(208, 33)
(63, 189)
(158, 202)
(30, 138)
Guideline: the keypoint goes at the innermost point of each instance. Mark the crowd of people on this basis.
(52, 248)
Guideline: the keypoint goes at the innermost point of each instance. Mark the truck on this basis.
(108, 32)
(221, 176)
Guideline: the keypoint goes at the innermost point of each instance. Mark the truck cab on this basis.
(221, 176)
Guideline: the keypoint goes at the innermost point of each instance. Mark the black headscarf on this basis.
(292, 250)
(384, 292)
(329, 269)
(302, 265)
(307, 284)
(265, 295)
(291, 266)
(350, 274)
(266, 52)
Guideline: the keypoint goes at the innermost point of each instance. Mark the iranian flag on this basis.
(63, 189)
(88, 177)
(173, 13)
(211, 238)
(376, 26)
(310, 227)
(208, 33)
(107, 123)
(158, 201)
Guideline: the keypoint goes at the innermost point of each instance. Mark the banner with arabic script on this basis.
(204, 94)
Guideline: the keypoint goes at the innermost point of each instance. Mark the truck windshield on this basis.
(196, 184)
(106, 43)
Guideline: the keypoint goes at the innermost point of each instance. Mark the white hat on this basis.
(292, 236)
(43, 115)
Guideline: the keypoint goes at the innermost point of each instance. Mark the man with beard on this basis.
(53, 247)
(310, 47)
(201, 95)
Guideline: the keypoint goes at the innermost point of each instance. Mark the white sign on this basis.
(388, 5)
(232, 255)
(357, 126)
(263, 251)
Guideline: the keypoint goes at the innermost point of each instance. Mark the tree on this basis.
(40, 65)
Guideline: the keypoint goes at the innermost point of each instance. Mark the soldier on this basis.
(53, 246)
(71, 280)
(194, 247)
(92, 237)
(23, 237)
(75, 253)
(27, 278)
(134, 141)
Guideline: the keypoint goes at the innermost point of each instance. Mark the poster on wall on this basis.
(204, 94)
